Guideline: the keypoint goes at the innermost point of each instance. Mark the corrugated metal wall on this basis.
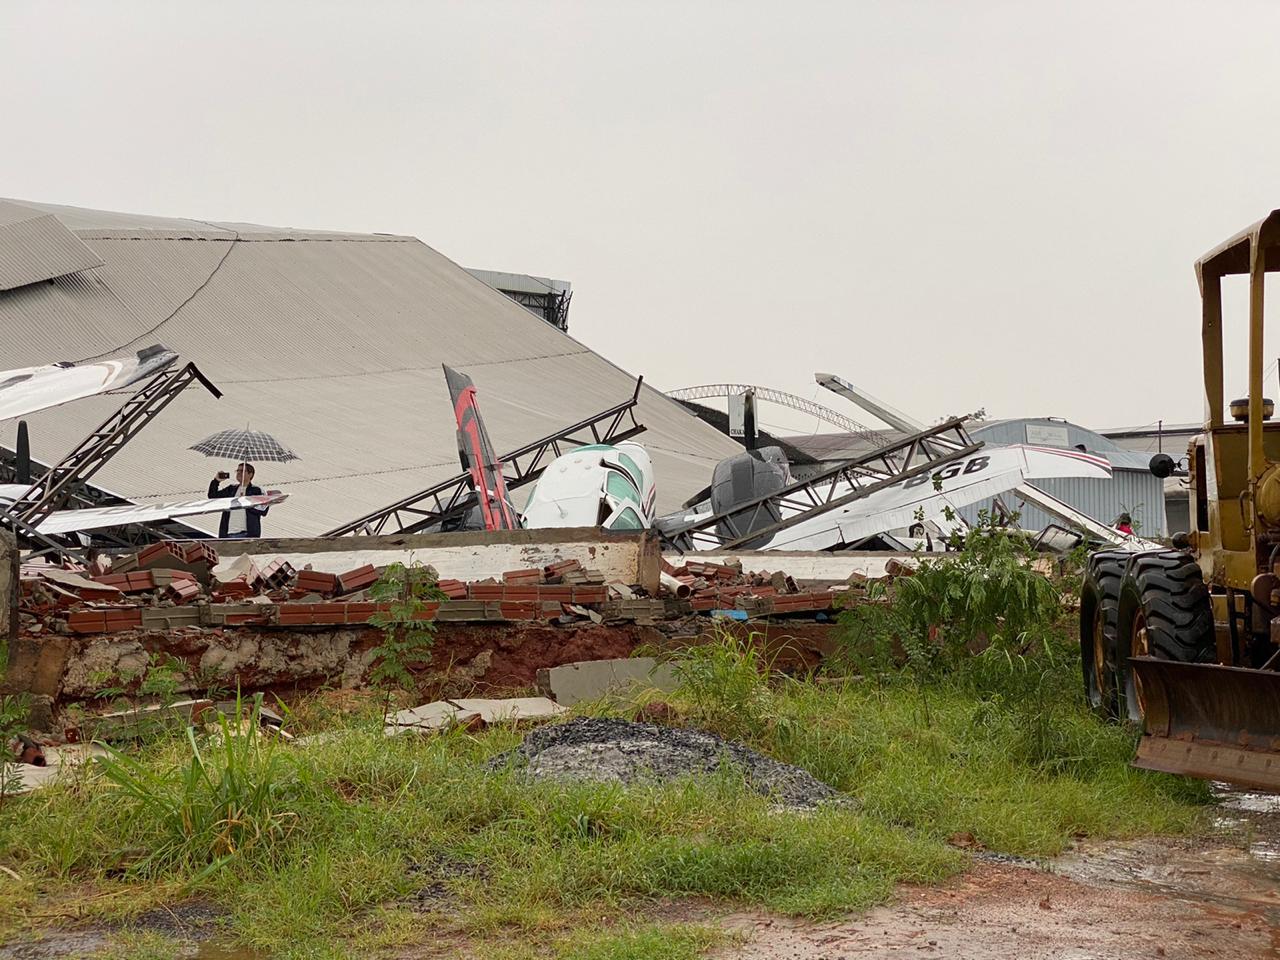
(1141, 495)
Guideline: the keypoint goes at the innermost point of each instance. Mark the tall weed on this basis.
(231, 794)
(726, 683)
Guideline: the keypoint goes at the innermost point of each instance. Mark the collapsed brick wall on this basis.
(162, 613)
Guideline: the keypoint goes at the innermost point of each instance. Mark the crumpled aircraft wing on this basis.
(96, 518)
(28, 390)
(988, 473)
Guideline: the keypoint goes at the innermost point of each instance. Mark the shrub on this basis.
(985, 595)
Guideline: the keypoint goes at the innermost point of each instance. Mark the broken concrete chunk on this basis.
(61, 764)
(428, 716)
(620, 678)
(507, 711)
(138, 722)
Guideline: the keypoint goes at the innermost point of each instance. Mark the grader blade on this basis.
(1210, 721)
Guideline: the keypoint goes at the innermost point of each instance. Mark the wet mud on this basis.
(1203, 897)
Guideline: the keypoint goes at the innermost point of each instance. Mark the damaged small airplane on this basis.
(753, 500)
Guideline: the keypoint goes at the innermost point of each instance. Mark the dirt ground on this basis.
(1216, 897)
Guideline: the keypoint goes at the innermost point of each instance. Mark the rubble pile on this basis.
(619, 751)
(172, 584)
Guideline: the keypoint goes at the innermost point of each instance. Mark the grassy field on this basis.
(361, 845)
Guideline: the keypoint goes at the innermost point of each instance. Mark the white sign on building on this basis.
(1044, 435)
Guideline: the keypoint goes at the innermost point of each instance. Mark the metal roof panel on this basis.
(35, 246)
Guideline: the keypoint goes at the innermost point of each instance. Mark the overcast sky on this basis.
(954, 205)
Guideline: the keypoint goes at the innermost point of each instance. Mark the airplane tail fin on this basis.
(477, 454)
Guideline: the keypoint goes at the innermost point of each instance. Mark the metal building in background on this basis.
(541, 296)
(1132, 489)
(331, 340)
(1173, 439)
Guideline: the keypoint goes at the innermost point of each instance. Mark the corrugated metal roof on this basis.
(334, 347)
(34, 246)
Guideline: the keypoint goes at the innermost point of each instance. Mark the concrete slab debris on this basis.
(513, 710)
(620, 678)
(428, 716)
(444, 713)
(61, 766)
(137, 722)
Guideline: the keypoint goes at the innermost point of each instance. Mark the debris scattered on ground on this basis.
(620, 751)
(511, 710)
(442, 714)
(136, 723)
(60, 766)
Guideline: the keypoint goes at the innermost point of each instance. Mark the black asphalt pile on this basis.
(620, 751)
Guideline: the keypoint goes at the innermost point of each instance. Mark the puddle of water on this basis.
(1231, 799)
(1256, 816)
(1237, 866)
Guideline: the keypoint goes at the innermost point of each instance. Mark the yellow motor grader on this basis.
(1187, 640)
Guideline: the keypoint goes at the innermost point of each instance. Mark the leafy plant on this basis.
(407, 634)
(986, 594)
(110, 685)
(162, 679)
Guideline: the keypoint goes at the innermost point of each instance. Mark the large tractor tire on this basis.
(1099, 612)
(1164, 612)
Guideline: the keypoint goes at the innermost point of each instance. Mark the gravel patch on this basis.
(618, 751)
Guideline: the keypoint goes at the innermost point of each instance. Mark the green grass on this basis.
(311, 849)
(645, 942)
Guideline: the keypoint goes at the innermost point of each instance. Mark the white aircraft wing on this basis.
(988, 473)
(95, 518)
(30, 389)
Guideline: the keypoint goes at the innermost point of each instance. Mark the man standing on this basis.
(238, 524)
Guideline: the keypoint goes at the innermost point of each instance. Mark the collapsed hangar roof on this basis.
(331, 341)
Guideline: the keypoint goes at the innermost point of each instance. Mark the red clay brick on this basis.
(358, 579)
(313, 581)
(184, 590)
(523, 576)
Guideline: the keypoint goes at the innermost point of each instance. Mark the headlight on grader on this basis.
(1269, 496)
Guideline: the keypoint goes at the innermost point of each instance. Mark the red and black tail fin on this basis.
(477, 454)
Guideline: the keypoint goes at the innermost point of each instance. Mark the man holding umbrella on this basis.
(240, 445)
(238, 524)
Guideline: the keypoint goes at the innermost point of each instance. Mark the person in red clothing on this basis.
(1124, 523)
